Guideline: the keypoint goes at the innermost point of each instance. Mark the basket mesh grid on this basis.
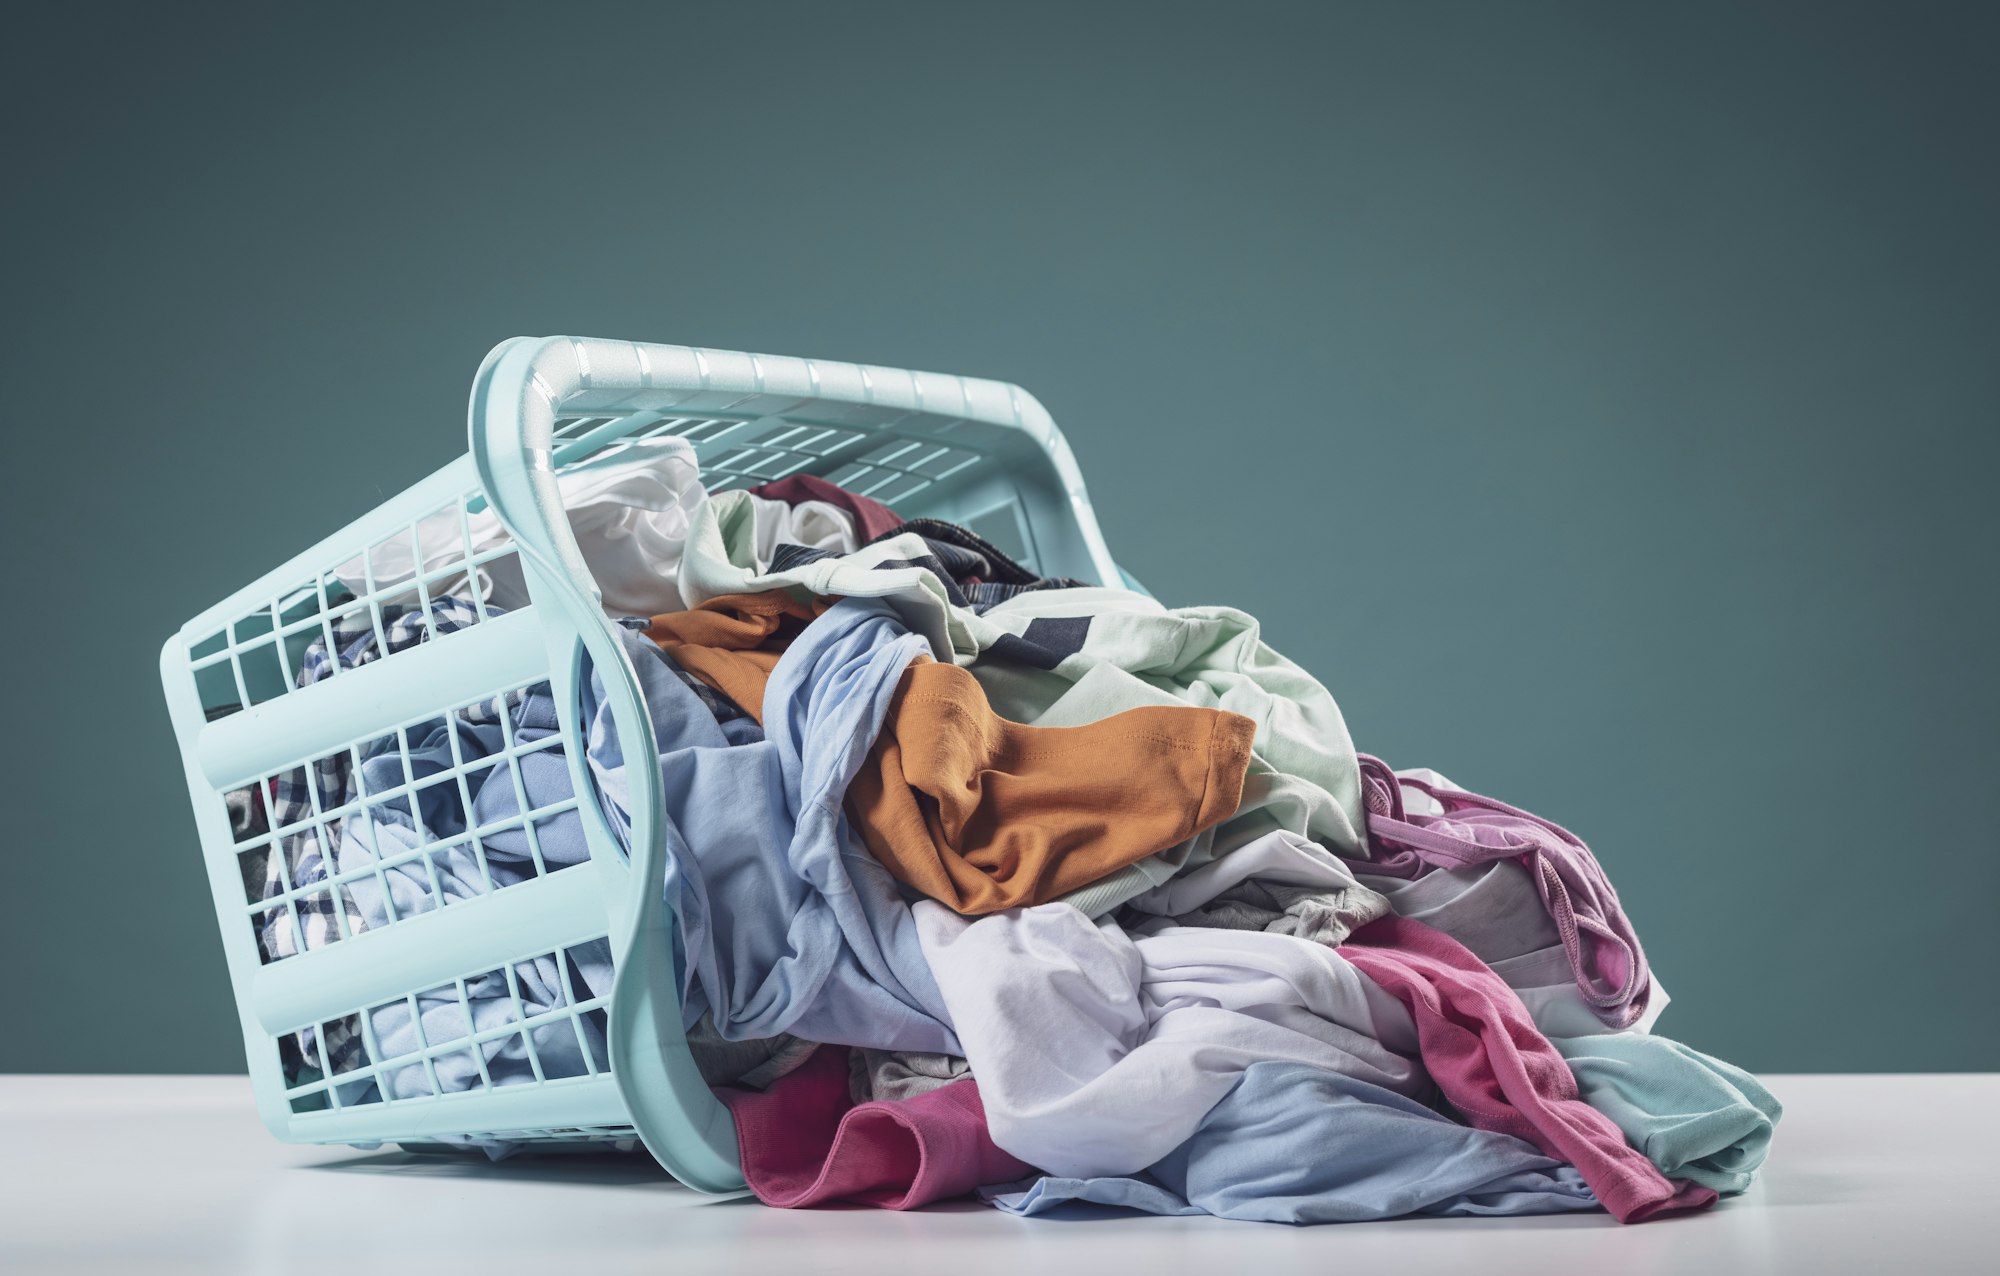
(481, 1029)
(308, 863)
(268, 652)
(301, 872)
(736, 452)
(298, 637)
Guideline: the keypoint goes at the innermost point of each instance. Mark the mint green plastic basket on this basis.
(979, 453)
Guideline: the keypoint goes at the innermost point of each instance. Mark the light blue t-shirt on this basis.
(1292, 1143)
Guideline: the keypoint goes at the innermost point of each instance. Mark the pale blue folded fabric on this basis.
(788, 924)
(1693, 1116)
(1296, 1144)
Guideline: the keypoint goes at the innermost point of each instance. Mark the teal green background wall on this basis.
(1602, 400)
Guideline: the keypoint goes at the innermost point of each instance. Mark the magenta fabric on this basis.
(871, 517)
(805, 1143)
(1603, 948)
(1500, 1072)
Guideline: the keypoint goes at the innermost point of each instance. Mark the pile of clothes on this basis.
(988, 882)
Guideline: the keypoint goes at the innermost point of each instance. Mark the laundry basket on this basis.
(975, 452)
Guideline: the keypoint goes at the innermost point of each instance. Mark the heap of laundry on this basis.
(990, 883)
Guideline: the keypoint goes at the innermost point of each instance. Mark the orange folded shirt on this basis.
(983, 814)
(977, 812)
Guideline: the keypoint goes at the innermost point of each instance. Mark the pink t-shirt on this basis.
(1500, 1072)
(805, 1142)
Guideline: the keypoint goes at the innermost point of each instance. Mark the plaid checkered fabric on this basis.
(315, 797)
(325, 781)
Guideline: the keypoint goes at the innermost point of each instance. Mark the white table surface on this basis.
(1869, 1173)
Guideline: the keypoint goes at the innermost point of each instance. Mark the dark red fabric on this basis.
(871, 517)
(1500, 1072)
(804, 1142)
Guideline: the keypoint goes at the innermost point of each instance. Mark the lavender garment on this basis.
(1603, 950)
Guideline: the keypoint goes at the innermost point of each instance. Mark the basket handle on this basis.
(519, 391)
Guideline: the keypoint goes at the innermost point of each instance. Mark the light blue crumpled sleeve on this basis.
(787, 924)
(1693, 1116)
(1293, 1143)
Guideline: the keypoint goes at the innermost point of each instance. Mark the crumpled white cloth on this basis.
(813, 524)
(1098, 1052)
(630, 508)
(1279, 882)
